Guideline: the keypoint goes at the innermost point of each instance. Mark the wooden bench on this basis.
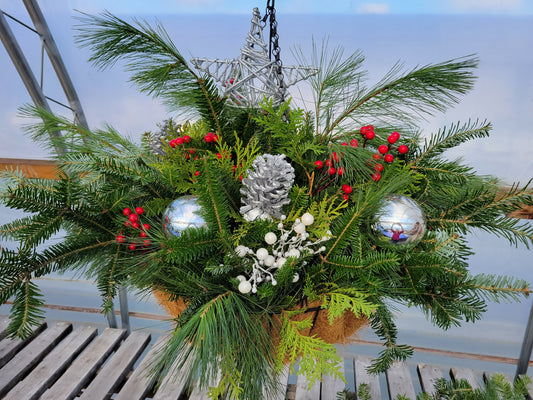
(58, 362)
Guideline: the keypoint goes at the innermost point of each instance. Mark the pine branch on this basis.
(158, 67)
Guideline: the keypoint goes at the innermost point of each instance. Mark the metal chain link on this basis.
(273, 45)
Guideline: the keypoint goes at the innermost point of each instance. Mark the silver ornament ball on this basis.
(181, 214)
(399, 222)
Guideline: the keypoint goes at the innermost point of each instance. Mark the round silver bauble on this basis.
(399, 222)
(181, 214)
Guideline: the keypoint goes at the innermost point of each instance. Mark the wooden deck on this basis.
(59, 362)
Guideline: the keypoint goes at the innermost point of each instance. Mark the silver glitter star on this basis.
(247, 80)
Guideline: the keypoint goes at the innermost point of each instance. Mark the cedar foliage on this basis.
(224, 337)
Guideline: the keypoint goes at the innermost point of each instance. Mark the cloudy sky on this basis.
(416, 32)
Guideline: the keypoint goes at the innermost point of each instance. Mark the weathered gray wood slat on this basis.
(173, 385)
(85, 366)
(31, 355)
(458, 373)
(115, 370)
(283, 380)
(331, 386)
(10, 347)
(399, 380)
(361, 376)
(140, 383)
(428, 374)
(53, 365)
(303, 392)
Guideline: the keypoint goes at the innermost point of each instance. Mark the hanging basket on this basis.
(340, 331)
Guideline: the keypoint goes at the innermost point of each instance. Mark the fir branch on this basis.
(500, 288)
(26, 312)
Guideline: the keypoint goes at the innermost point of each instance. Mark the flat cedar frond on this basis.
(449, 137)
(317, 357)
(337, 303)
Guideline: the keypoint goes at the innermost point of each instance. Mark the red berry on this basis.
(376, 156)
(354, 143)
(234, 168)
(347, 189)
(186, 138)
(340, 171)
(378, 167)
(403, 149)
(132, 246)
(146, 242)
(143, 234)
(208, 138)
(335, 157)
(146, 227)
(219, 155)
(376, 176)
(231, 81)
(172, 143)
(370, 135)
(389, 158)
(120, 239)
(126, 211)
(179, 141)
(344, 144)
(319, 164)
(329, 162)
(393, 138)
(383, 149)
(135, 225)
(139, 210)
(240, 177)
(127, 223)
(332, 171)
(215, 138)
(197, 173)
(345, 197)
(133, 217)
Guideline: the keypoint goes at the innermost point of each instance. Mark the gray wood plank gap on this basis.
(304, 392)
(53, 365)
(331, 386)
(201, 394)
(31, 355)
(283, 380)
(173, 384)
(140, 383)
(85, 366)
(10, 347)
(361, 376)
(458, 373)
(399, 380)
(112, 374)
(428, 374)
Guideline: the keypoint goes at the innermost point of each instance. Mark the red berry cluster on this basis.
(332, 171)
(211, 137)
(133, 222)
(179, 141)
(385, 150)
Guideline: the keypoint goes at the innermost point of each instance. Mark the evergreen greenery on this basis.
(225, 337)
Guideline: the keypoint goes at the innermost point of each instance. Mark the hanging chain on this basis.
(273, 45)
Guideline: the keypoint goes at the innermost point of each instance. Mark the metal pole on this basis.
(527, 346)
(111, 318)
(57, 62)
(124, 312)
(23, 68)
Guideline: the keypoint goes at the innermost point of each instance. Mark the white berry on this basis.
(299, 228)
(269, 261)
(280, 262)
(241, 250)
(262, 253)
(308, 219)
(245, 287)
(241, 278)
(296, 278)
(294, 253)
(271, 238)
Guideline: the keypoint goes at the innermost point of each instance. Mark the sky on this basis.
(499, 32)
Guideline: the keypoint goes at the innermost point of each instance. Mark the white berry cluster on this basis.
(287, 244)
